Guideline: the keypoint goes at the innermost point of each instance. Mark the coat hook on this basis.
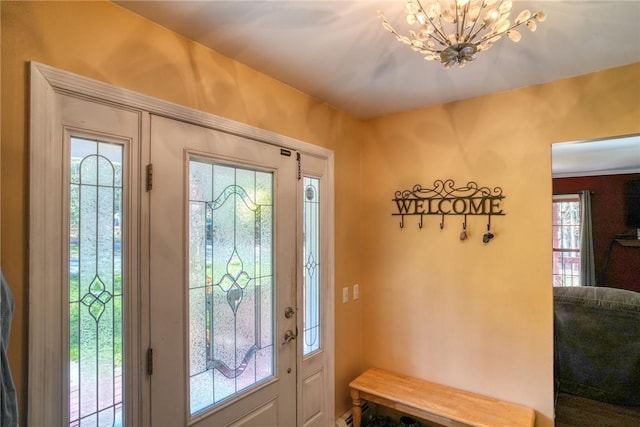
(442, 222)
(420, 223)
(401, 221)
(463, 234)
(488, 235)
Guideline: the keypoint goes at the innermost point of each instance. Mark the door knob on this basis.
(289, 312)
(289, 336)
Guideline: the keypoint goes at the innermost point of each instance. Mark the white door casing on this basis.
(315, 379)
(74, 118)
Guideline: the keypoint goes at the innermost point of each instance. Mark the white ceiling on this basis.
(338, 52)
(600, 157)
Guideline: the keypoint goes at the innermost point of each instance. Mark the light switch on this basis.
(356, 291)
(345, 295)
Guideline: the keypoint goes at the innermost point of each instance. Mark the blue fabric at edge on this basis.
(8, 401)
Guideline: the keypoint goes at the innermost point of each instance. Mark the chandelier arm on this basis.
(425, 47)
(458, 23)
(444, 36)
(485, 25)
(464, 21)
(443, 41)
(436, 39)
(440, 42)
(470, 34)
(499, 4)
(437, 35)
(482, 27)
(484, 38)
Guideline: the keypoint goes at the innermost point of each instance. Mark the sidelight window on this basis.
(95, 283)
(311, 267)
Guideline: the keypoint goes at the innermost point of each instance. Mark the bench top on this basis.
(427, 398)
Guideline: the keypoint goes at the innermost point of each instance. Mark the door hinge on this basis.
(150, 361)
(299, 166)
(149, 177)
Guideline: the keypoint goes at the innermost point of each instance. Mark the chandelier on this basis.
(454, 31)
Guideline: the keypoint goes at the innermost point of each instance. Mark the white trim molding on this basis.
(46, 240)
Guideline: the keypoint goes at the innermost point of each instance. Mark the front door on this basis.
(222, 279)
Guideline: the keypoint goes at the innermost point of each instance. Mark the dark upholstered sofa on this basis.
(597, 343)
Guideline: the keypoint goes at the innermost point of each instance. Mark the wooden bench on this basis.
(443, 405)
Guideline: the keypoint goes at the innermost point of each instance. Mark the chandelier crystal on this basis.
(453, 31)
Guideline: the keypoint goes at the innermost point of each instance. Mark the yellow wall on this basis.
(473, 316)
(467, 314)
(107, 43)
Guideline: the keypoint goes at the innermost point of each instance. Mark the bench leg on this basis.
(356, 411)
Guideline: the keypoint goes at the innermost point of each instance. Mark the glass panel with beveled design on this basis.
(230, 281)
(95, 283)
(311, 267)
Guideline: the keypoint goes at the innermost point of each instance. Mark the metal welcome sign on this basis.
(444, 198)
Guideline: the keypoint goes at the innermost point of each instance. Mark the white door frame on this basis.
(44, 323)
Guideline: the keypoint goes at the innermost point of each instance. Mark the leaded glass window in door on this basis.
(230, 259)
(95, 283)
(311, 267)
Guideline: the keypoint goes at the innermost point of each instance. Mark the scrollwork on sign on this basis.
(444, 198)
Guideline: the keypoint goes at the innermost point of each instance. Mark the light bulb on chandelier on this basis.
(454, 33)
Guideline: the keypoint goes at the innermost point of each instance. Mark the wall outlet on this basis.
(345, 295)
(356, 291)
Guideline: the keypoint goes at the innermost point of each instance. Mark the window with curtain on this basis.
(566, 240)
